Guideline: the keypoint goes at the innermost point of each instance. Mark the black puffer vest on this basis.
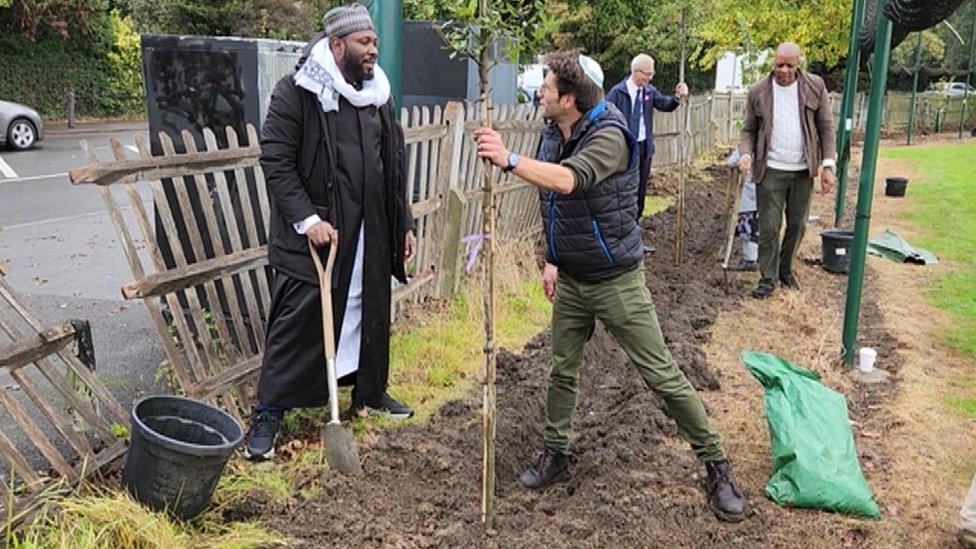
(592, 235)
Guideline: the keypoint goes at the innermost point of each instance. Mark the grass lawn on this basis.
(944, 210)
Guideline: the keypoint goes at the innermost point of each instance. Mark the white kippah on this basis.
(592, 69)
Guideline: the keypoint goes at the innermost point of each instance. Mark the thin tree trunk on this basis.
(488, 232)
(682, 168)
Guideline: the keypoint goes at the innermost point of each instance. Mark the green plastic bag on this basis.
(815, 463)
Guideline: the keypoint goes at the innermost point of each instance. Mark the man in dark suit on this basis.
(637, 99)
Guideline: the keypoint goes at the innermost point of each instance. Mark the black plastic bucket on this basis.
(895, 186)
(178, 451)
(836, 248)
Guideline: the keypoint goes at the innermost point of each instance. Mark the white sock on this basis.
(750, 250)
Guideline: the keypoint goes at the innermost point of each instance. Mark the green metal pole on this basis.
(845, 124)
(388, 17)
(865, 193)
(911, 109)
(969, 73)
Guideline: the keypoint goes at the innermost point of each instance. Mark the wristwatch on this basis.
(513, 161)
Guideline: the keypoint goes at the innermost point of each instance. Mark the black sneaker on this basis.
(789, 281)
(260, 442)
(724, 496)
(549, 467)
(967, 538)
(386, 407)
(764, 289)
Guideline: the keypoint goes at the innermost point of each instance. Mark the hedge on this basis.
(104, 72)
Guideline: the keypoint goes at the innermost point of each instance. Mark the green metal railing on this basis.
(862, 222)
(845, 121)
(915, 71)
(388, 18)
(969, 74)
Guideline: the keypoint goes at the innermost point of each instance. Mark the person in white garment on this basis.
(747, 225)
(787, 141)
(332, 155)
(967, 518)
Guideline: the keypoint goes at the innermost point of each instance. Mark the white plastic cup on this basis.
(868, 356)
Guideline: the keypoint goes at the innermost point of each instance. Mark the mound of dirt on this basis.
(635, 482)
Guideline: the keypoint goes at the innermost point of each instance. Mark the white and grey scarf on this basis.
(321, 76)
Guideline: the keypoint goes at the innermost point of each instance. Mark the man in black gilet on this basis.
(587, 173)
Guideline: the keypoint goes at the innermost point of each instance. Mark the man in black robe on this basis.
(332, 155)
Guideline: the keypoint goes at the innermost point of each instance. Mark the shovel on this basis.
(340, 448)
(733, 217)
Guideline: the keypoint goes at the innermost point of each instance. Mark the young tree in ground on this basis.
(485, 31)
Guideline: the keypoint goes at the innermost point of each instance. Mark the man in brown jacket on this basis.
(787, 140)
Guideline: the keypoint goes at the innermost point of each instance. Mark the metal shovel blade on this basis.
(340, 449)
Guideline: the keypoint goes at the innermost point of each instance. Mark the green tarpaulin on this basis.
(896, 248)
(815, 463)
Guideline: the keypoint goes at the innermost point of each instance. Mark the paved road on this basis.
(64, 258)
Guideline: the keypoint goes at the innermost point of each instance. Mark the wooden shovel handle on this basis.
(325, 292)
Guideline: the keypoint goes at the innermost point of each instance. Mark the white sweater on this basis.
(786, 145)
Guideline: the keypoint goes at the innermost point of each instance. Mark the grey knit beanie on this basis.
(343, 20)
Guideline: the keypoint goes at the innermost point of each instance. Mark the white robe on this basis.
(350, 338)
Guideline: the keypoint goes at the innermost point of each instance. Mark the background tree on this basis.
(280, 19)
(820, 28)
(64, 18)
(956, 52)
(613, 31)
(933, 52)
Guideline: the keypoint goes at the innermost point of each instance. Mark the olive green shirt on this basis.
(604, 154)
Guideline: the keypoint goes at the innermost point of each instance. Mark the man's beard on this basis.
(353, 67)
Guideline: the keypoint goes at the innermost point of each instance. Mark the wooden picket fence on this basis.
(200, 263)
(210, 303)
(50, 393)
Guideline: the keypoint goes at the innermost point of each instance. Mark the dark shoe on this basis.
(724, 496)
(648, 249)
(744, 265)
(764, 289)
(967, 538)
(387, 406)
(548, 468)
(789, 281)
(261, 438)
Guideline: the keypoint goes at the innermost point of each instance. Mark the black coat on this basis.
(298, 155)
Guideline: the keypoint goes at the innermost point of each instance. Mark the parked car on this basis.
(951, 89)
(20, 126)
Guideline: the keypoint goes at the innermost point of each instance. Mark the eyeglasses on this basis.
(649, 74)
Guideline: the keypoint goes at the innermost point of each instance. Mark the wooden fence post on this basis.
(447, 229)
(730, 126)
(450, 264)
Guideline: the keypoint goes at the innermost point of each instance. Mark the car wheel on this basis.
(21, 135)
